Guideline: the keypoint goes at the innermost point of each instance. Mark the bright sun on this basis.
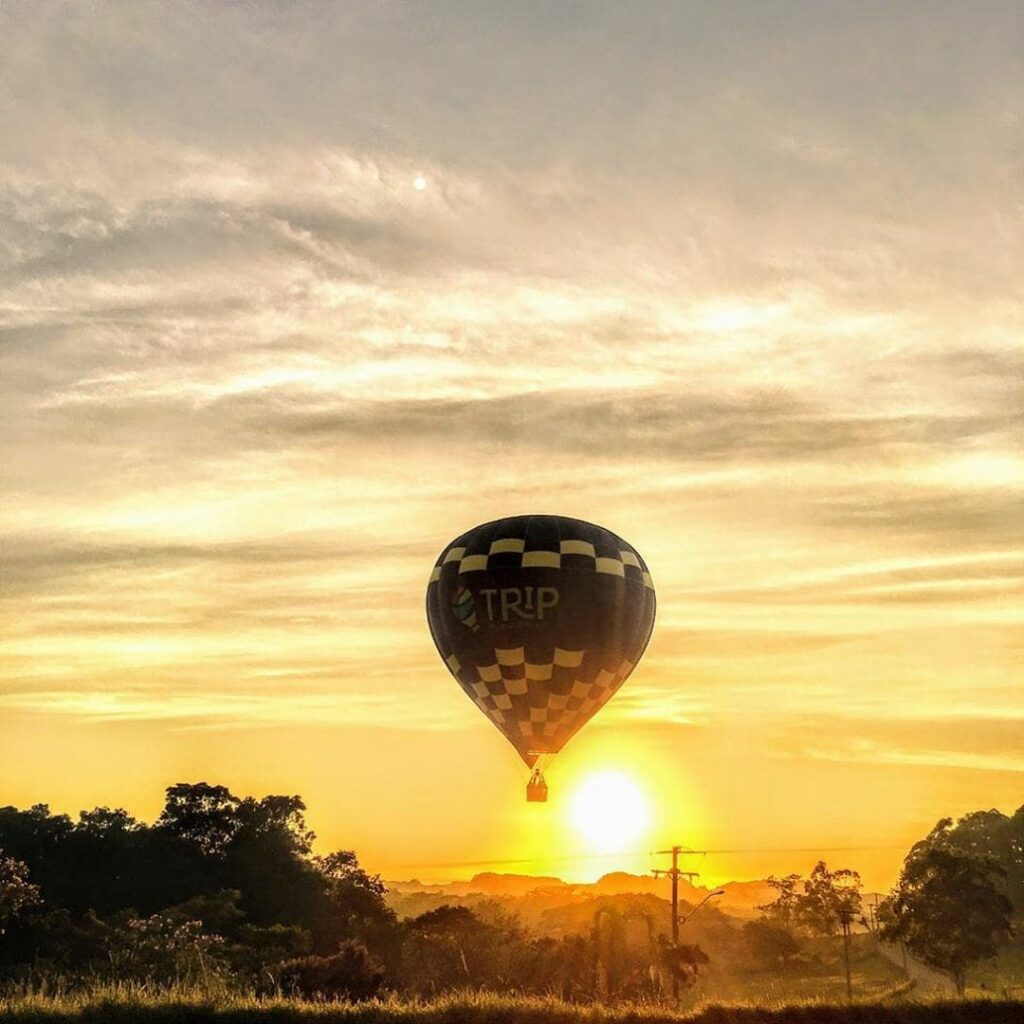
(609, 811)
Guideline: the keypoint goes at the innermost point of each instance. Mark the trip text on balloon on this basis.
(504, 603)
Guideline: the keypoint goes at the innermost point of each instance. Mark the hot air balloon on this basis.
(540, 619)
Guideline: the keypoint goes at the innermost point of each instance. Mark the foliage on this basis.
(783, 909)
(202, 815)
(353, 973)
(226, 890)
(250, 952)
(770, 944)
(829, 899)
(452, 947)
(562, 967)
(682, 961)
(225, 893)
(158, 949)
(17, 893)
(219, 885)
(634, 955)
(948, 907)
(818, 904)
(356, 902)
(990, 835)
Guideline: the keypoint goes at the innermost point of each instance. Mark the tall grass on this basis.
(132, 1005)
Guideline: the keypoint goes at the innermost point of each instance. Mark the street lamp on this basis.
(677, 920)
(686, 917)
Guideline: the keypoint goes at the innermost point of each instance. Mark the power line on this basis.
(812, 849)
(646, 853)
(527, 860)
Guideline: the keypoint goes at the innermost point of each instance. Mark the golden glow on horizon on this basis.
(609, 811)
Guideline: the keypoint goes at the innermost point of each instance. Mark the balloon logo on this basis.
(540, 619)
(462, 606)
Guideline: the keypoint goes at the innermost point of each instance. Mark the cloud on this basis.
(983, 518)
(957, 578)
(54, 233)
(690, 427)
(208, 710)
(645, 422)
(980, 742)
(38, 557)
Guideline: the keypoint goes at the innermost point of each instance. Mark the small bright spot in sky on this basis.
(420, 183)
(610, 811)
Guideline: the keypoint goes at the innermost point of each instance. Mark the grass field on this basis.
(821, 978)
(1003, 977)
(114, 1006)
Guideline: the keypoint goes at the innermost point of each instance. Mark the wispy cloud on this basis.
(982, 739)
(225, 710)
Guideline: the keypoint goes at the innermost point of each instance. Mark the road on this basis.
(927, 981)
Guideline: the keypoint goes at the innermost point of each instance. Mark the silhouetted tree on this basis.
(355, 903)
(816, 904)
(784, 908)
(203, 815)
(39, 839)
(548, 966)
(948, 907)
(104, 844)
(828, 897)
(989, 835)
(240, 870)
(446, 948)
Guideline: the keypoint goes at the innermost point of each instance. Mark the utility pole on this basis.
(675, 874)
(848, 894)
(846, 919)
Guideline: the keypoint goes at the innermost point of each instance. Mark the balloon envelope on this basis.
(540, 619)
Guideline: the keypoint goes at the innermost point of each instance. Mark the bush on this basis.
(770, 944)
(352, 974)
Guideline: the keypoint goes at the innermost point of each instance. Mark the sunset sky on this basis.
(742, 282)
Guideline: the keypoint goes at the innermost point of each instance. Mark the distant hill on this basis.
(741, 899)
(489, 883)
(534, 897)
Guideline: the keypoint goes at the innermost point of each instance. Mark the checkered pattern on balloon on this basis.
(540, 619)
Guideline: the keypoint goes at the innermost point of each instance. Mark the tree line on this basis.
(959, 899)
(222, 889)
(960, 896)
(227, 890)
